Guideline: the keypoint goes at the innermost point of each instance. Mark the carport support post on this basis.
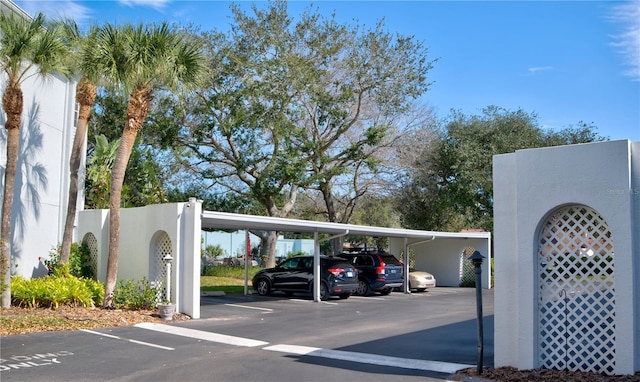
(316, 267)
(477, 258)
(247, 258)
(407, 290)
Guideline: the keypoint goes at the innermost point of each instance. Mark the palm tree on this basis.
(141, 60)
(82, 65)
(26, 49)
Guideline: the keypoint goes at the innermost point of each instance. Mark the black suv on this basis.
(377, 271)
(338, 277)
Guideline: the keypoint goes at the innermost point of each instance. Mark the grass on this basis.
(227, 279)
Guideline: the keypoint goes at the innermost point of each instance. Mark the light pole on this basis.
(167, 259)
(476, 258)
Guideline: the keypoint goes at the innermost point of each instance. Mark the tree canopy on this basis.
(299, 103)
(449, 185)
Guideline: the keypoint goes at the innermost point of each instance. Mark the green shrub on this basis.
(214, 251)
(55, 290)
(80, 263)
(297, 253)
(97, 290)
(136, 295)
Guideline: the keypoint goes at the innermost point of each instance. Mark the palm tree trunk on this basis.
(117, 179)
(13, 105)
(13, 139)
(86, 95)
(138, 109)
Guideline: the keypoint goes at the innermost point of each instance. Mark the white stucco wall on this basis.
(635, 238)
(138, 227)
(42, 178)
(528, 186)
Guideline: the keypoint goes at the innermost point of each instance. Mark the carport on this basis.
(154, 234)
(448, 243)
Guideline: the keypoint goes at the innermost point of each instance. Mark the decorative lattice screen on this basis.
(162, 248)
(576, 304)
(467, 270)
(92, 243)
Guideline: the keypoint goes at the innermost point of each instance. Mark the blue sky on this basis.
(567, 61)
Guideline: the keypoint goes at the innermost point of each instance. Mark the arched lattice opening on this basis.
(160, 248)
(576, 299)
(92, 243)
(467, 271)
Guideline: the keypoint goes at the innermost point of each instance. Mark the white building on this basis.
(42, 176)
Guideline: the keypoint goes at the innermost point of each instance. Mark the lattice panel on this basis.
(92, 243)
(576, 292)
(467, 270)
(162, 248)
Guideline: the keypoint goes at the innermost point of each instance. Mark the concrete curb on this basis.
(212, 294)
(467, 378)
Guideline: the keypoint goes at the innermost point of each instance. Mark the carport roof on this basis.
(225, 220)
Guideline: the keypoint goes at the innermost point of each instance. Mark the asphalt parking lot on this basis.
(421, 336)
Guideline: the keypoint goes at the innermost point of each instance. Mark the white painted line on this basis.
(129, 340)
(150, 344)
(100, 334)
(311, 301)
(250, 307)
(373, 359)
(293, 349)
(368, 298)
(202, 335)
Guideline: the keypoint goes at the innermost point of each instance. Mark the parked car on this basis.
(338, 277)
(421, 280)
(377, 271)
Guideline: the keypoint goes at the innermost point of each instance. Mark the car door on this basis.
(294, 274)
(284, 275)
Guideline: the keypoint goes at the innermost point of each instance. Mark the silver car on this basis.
(421, 280)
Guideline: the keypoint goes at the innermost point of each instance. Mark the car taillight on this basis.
(336, 271)
(380, 271)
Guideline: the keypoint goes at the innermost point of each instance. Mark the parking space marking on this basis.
(298, 300)
(373, 359)
(372, 298)
(127, 339)
(202, 335)
(250, 307)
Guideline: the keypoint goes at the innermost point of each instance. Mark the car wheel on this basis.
(264, 288)
(324, 292)
(288, 293)
(385, 292)
(345, 296)
(363, 288)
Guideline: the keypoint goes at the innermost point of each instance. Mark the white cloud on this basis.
(627, 41)
(57, 9)
(155, 4)
(536, 69)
